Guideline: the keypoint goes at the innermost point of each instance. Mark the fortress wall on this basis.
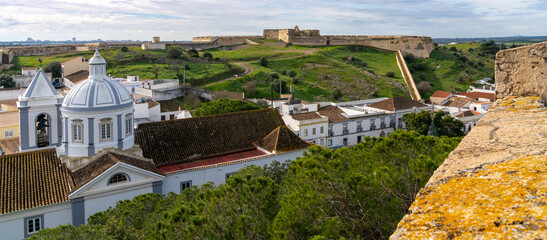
(309, 41)
(43, 50)
(271, 34)
(285, 35)
(420, 47)
(522, 71)
(492, 186)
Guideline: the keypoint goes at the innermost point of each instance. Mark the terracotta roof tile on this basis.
(305, 116)
(152, 103)
(396, 103)
(9, 145)
(441, 94)
(9, 119)
(32, 179)
(334, 114)
(457, 102)
(212, 161)
(187, 140)
(477, 95)
(106, 160)
(78, 76)
(282, 139)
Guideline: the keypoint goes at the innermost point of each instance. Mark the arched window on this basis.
(77, 130)
(42, 130)
(118, 177)
(128, 124)
(105, 126)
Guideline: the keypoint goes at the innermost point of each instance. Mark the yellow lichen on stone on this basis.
(500, 201)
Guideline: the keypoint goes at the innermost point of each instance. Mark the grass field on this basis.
(452, 71)
(358, 72)
(254, 53)
(318, 74)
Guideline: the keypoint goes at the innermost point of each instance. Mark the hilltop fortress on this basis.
(419, 46)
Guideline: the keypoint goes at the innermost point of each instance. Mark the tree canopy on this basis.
(54, 68)
(359, 192)
(6, 81)
(224, 105)
(445, 124)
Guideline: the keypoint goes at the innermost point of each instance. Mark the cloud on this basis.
(181, 20)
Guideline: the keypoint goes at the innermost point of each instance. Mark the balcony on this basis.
(359, 129)
(331, 133)
(345, 131)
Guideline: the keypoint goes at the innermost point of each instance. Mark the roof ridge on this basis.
(29, 152)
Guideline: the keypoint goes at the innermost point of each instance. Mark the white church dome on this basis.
(97, 93)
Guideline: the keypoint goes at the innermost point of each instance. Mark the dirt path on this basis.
(248, 69)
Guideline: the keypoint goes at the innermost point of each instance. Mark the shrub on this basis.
(336, 94)
(453, 49)
(208, 55)
(284, 72)
(124, 49)
(292, 73)
(193, 53)
(174, 53)
(390, 74)
(263, 62)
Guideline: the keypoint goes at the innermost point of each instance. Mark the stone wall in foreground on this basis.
(494, 184)
(522, 71)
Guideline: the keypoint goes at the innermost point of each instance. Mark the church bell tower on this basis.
(39, 114)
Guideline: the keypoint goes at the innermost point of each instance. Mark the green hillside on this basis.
(333, 73)
(453, 67)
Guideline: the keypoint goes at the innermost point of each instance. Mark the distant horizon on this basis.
(57, 20)
(188, 40)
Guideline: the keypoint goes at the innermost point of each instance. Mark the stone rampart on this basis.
(418, 46)
(522, 71)
(493, 185)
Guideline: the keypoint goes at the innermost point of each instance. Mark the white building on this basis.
(78, 153)
(310, 126)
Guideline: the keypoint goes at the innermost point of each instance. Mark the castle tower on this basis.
(39, 114)
(97, 114)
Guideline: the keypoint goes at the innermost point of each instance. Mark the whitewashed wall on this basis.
(12, 225)
(217, 174)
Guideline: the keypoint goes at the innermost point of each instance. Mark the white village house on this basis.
(80, 154)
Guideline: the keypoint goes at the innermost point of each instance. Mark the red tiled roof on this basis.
(457, 102)
(9, 119)
(282, 139)
(441, 94)
(103, 162)
(334, 114)
(477, 95)
(396, 103)
(305, 116)
(187, 140)
(9, 145)
(32, 179)
(78, 76)
(213, 160)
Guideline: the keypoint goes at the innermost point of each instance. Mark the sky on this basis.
(184, 19)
